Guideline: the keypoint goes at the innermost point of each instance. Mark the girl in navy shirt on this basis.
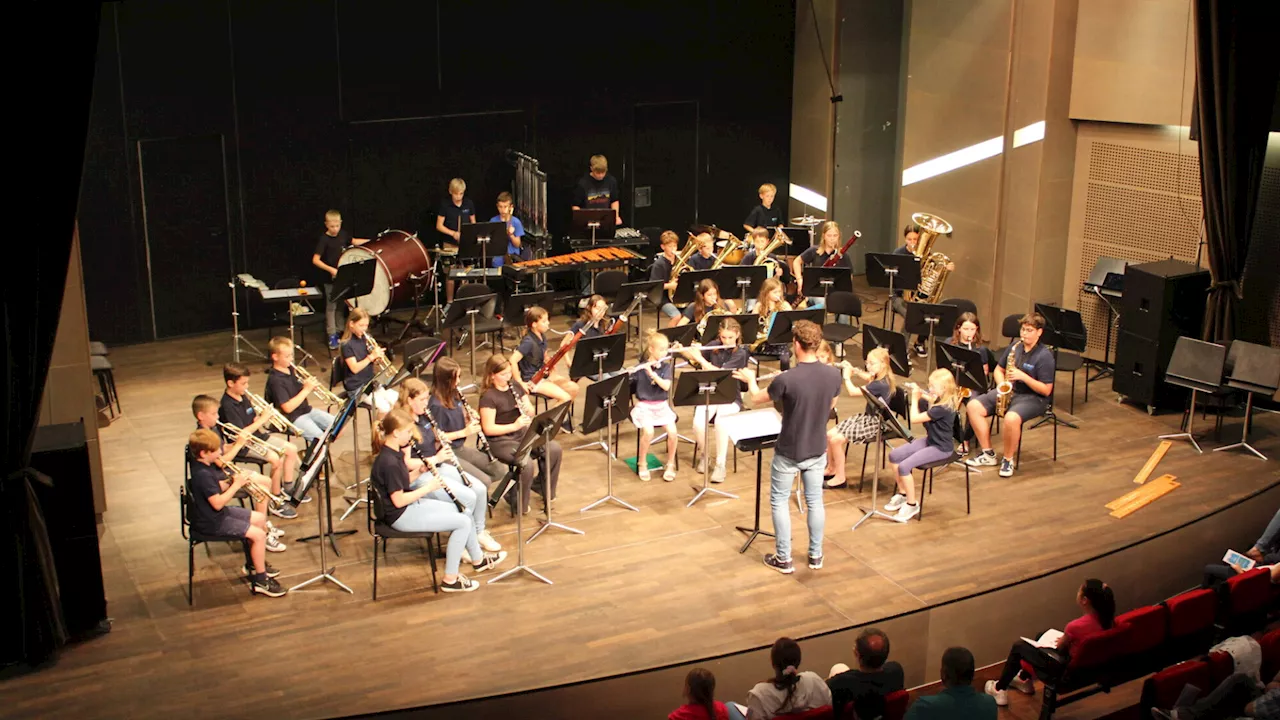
(938, 443)
(651, 387)
(360, 363)
(862, 428)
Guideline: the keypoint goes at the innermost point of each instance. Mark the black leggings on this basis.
(1034, 656)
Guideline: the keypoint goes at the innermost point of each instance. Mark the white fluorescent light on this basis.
(808, 197)
(970, 155)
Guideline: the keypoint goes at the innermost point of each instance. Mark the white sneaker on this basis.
(1001, 696)
(274, 545)
(1006, 467)
(717, 474)
(273, 530)
(906, 512)
(982, 459)
(895, 502)
(1026, 687)
(487, 543)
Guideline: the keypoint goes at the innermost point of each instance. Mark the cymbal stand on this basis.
(236, 337)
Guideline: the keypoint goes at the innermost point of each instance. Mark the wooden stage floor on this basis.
(637, 590)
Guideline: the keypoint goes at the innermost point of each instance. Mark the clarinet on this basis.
(435, 472)
(444, 445)
(482, 442)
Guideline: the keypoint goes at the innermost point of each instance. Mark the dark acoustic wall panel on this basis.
(387, 50)
(666, 139)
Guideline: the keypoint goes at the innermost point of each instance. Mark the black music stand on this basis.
(701, 387)
(598, 355)
(354, 280)
(1063, 330)
(593, 223)
(608, 403)
(547, 425)
(650, 290)
(785, 320)
(801, 239)
(462, 312)
(894, 271)
(895, 342)
(969, 371)
(475, 238)
(682, 335)
(535, 439)
(886, 417)
(742, 280)
(750, 323)
(417, 362)
(924, 319)
(1256, 370)
(1197, 365)
(1106, 282)
(829, 279)
(688, 282)
(320, 462)
(754, 431)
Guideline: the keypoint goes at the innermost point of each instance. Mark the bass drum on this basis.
(400, 257)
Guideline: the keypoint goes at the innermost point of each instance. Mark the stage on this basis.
(638, 590)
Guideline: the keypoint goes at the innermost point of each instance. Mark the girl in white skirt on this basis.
(858, 428)
(651, 386)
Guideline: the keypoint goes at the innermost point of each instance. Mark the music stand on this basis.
(886, 417)
(894, 271)
(354, 281)
(682, 335)
(1106, 282)
(533, 440)
(750, 323)
(320, 461)
(417, 362)
(1063, 329)
(475, 238)
(345, 413)
(688, 282)
(785, 320)
(828, 279)
(701, 387)
(463, 311)
(895, 342)
(598, 355)
(593, 224)
(754, 431)
(1256, 370)
(608, 403)
(743, 280)
(1197, 365)
(236, 338)
(925, 319)
(969, 371)
(650, 290)
(547, 425)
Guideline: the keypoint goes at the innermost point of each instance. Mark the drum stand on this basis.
(236, 337)
(413, 321)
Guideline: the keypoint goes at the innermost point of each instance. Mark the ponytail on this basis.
(392, 422)
(785, 657)
(701, 688)
(1102, 600)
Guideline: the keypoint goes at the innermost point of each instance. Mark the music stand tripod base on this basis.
(1244, 436)
(519, 545)
(1189, 434)
(604, 395)
(326, 572)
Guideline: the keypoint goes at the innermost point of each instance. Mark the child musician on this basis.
(213, 514)
(504, 420)
(287, 392)
(968, 334)
(938, 444)
(450, 216)
(333, 241)
(705, 257)
(361, 362)
(458, 422)
(205, 410)
(817, 256)
(706, 299)
(861, 428)
(531, 354)
(409, 509)
(725, 354)
(768, 305)
(651, 387)
(236, 409)
(662, 267)
(764, 215)
(467, 488)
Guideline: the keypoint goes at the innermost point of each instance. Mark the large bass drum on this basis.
(399, 256)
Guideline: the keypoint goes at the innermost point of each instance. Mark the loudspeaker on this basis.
(1162, 301)
(61, 453)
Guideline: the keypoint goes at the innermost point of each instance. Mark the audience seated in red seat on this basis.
(699, 695)
(790, 690)
(866, 687)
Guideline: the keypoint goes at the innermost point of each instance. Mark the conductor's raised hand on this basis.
(746, 375)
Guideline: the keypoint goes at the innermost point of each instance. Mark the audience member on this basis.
(866, 687)
(1237, 696)
(699, 695)
(959, 700)
(790, 690)
(1266, 551)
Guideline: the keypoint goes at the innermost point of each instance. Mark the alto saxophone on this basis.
(1004, 391)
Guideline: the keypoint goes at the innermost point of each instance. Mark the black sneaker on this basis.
(462, 584)
(285, 511)
(270, 572)
(921, 350)
(783, 566)
(490, 561)
(267, 586)
(815, 563)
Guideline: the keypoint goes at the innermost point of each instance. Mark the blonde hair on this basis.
(669, 236)
(353, 317)
(392, 422)
(763, 307)
(822, 234)
(950, 397)
(826, 355)
(279, 343)
(767, 187)
(886, 373)
(652, 338)
(457, 185)
(599, 163)
(333, 214)
(203, 403)
(202, 441)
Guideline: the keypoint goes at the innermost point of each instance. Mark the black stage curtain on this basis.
(50, 92)
(1236, 70)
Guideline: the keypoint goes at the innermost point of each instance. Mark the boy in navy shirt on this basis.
(450, 216)
(235, 409)
(328, 252)
(1030, 367)
(531, 355)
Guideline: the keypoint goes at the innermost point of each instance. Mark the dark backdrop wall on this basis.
(221, 130)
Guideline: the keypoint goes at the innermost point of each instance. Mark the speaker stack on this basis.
(1162, 301)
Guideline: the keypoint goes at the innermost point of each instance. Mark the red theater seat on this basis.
(1270, 654)
(1161, 690)
(1248, 596)
(818, 713)
(895, 705)
(1221, 665)
(1191, 618)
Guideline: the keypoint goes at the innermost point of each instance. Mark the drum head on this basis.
(377, 301)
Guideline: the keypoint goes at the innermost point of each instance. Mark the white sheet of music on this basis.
(751, 424)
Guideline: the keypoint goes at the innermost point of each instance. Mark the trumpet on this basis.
(320, 392)
(260, 446)
(278, 421)
(482, 442)
(381, 364)
(256, 491)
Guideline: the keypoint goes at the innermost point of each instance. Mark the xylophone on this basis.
(595, 258)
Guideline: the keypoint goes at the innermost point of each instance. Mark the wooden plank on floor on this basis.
(1152, 461)
(1160, 487)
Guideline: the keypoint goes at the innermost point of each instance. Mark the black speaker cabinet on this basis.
(61, 453)
(1162, 301)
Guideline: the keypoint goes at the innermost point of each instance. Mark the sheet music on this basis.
(751, 424)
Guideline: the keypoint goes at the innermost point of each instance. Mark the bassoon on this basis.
(835, 258)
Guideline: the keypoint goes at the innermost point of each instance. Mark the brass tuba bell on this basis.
(933, 265)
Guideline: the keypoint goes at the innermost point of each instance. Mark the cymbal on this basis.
(699, 229)
(805, 221)
(443, 251)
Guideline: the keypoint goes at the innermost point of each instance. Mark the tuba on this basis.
(731, 244)
(933, 265)
(682, 259)
(779, 238)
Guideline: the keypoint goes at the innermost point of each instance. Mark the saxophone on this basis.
(1004, 391)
